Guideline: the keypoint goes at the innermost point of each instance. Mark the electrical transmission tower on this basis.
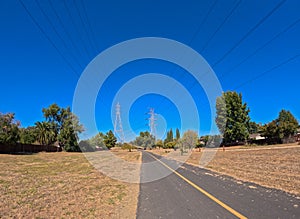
(152, 123)
(118, 128)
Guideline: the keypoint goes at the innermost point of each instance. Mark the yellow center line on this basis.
(231, 210)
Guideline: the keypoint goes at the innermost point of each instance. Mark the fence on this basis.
(27, 148)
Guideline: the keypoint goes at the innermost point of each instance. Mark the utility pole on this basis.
(118, 128)
(152, 123)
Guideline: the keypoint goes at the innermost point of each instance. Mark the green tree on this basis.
(45, 134)
(145, 140)
(232, 117)
(287, 124)
(9, 129)
(64, 126)
(28, 135)
(169, 137)
(205, 139)
(254, 127)
(177, 134)
(110, 139)
(282, 129)
(189, 139)
(98, 140)
(159, 143)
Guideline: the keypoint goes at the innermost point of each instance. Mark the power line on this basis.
(48, 38)
(54, 29)
(249, 32)
(64, 28)
(204, 20)
(262, 47)
(268, 71)
(84, 26)
(89, 23)
(75, 26)
(222, 24)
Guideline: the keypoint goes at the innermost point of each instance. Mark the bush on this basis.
(128, 147)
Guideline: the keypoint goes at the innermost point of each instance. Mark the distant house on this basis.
(256, 138)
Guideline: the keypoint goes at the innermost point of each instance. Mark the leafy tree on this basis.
(98, 140)
(159, 143)
(64, 127)
(45, 134)
(271, 132)
(205, 139)
(177, 134)
(287, 124)
(169, 137)
(232, 117)
(28, 135)
(145, 140)
(281, 129)
(254, 127)
(9, 129)
(214, 141)
(170, 144)
(189, 139)
(129, 147)
(110, 139)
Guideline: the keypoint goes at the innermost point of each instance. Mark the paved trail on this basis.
(192, 192)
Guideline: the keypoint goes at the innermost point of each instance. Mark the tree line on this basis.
(61, 127)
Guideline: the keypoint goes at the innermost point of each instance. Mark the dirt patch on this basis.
(61, 185)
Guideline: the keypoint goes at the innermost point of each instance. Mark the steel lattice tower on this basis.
(118, 128)
(152, 123)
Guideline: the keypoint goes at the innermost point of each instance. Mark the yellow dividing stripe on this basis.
(234, 212)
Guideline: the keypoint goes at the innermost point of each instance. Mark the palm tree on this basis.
(45, 133)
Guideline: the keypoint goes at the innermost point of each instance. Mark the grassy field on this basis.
(63, 185)
(275, 166)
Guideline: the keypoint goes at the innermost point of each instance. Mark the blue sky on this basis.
(249, 54)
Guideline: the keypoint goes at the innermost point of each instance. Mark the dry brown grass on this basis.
(275, 166)
(61, 185)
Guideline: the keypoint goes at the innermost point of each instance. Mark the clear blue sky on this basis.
(249, 54)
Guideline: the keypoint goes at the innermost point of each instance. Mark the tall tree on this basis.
(287, 124)
(282, 129)
(28, 135)
(45, 134)
(189, 139)
(9, 129)
(110, 139)
(177, 134)
(64, 125)
(232, 117)
(145, 140)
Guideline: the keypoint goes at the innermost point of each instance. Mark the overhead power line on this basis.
(64, 28)
(263, 46)
(269, 70)
(84, 27)
(48, 38)
(77, 30)
(261, 21)
(222, 24)
(56, 32)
